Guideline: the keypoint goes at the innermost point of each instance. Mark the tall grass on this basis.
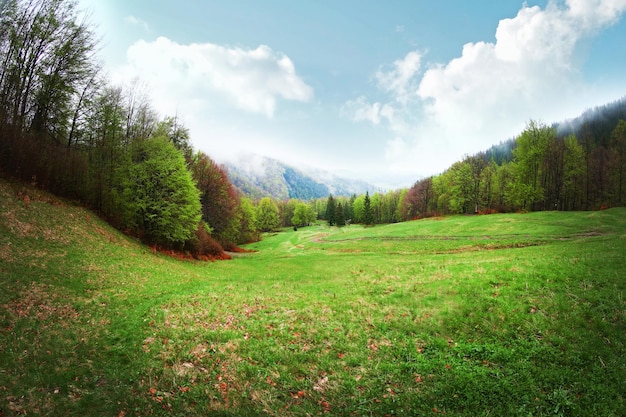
(518, 314)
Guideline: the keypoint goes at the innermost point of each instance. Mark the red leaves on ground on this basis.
(184, 256)
(325, 405)
(298, 395)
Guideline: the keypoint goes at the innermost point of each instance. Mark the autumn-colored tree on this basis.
(418, 198)
(219, 198)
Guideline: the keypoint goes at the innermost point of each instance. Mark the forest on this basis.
(65, 128)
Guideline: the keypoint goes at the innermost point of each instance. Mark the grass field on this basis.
(500, 315)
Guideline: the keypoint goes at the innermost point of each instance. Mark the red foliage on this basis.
(204, 247)
(488, 211)
(219, 197)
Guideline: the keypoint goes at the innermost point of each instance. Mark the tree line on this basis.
(547, 171)
(64, 128)
(577, 166)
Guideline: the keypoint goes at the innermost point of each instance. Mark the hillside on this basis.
(258, 177)
(491, 315)
(592, 128)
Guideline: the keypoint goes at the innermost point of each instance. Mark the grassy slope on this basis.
(494, 315)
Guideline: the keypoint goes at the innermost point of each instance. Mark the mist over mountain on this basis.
(258, 176)
(596, 123)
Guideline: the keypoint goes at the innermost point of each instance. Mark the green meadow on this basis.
(499, 315)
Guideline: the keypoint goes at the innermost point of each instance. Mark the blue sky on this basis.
(389, 92)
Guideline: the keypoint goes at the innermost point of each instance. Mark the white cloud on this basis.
(401, 80)
(248, 79)
(361, 109)
(400, 83)
(491, 90)
(135, 21)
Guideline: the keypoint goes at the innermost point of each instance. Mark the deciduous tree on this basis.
(267, 215)
(159, 199)
(303, 215)
(218, 197)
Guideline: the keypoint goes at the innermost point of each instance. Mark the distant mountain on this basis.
(257, 176)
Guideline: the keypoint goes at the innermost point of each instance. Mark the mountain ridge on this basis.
(259, 176)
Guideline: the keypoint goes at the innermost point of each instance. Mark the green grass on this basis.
(519, 314)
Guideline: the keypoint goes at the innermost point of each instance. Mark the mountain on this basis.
(258, 176)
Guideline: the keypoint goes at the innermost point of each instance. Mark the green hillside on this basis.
(516, 314)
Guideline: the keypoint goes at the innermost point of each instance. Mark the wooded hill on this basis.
(269, 177)
(575, 165)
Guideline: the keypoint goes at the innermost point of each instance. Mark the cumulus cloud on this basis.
(248, 79)
(489, 92)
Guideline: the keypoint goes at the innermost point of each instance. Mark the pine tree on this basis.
(331, 208)
(339, 217)
(367, 210)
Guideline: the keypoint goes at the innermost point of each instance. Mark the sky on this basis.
(385, 91)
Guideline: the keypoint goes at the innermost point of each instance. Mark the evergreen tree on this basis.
(339, 217)
(367, 210)
(331, 208)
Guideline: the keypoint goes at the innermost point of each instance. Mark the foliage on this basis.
(358, 208)
(367, 210)
(158, 197)
(248, 231)
(331, 210)
(46, 59)
(218, 197)
(303, 215)
(340, 219)
(203, 246)
(267, 218)
(176, 133)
